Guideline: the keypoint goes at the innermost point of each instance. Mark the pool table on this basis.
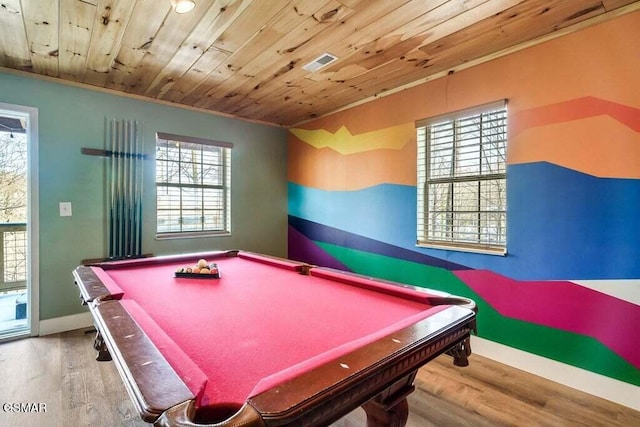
(271, 342)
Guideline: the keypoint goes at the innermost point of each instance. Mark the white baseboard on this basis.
(66, 323)
(598, 385)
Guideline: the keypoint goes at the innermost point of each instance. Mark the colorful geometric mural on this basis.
(573, 186)
(568, 288)
(378, 223)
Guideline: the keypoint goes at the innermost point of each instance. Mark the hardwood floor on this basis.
(487, 393)
(60, 371)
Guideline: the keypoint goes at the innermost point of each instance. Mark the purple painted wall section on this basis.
(303, 249)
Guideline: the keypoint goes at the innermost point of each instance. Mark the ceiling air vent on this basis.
(320, 61)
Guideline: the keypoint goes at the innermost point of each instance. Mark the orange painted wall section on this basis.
(583, 141)
(584, 134)
(562, 109)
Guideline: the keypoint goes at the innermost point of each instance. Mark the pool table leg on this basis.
(378, 415)
(100, 346)
(461, 352)
(390, 408)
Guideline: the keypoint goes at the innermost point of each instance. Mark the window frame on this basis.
(225, 186)
(425, 238)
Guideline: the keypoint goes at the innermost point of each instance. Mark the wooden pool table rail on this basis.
(151, 382)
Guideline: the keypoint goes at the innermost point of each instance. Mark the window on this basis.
(193, 186)
(462, 195)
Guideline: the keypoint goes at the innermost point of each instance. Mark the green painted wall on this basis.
(71, 117)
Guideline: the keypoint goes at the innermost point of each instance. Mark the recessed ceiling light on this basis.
(183, 6)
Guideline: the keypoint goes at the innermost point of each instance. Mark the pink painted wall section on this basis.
(562, 305)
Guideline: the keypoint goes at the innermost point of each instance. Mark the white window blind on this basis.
(462, 195)
(193, 186)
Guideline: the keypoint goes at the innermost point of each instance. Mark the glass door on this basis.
(15, 248)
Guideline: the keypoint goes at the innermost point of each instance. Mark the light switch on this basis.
(65, 208)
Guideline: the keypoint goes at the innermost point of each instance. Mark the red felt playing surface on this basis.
(257, 320)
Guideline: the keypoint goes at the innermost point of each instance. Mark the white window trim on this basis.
(164, 235)
(422, 186)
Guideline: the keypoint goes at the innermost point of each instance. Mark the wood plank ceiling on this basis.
(245, 57)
